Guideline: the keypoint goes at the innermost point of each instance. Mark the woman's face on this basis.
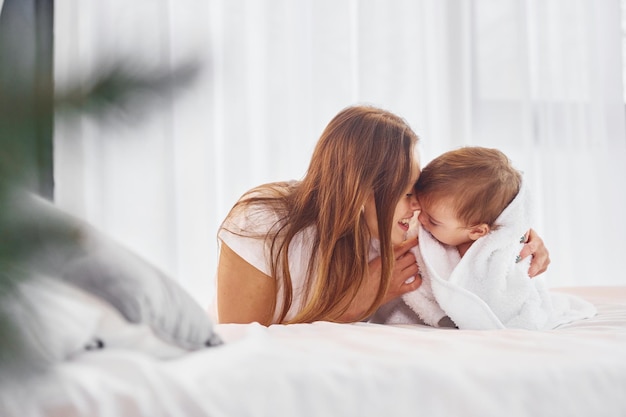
(403, 213)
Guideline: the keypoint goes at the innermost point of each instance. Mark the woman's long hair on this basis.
(362, 150)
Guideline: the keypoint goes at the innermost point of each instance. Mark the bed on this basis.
(362, 369)
(162, 356)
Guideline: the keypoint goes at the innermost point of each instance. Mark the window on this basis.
(26, 99)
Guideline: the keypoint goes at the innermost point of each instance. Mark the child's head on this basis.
(462, 193)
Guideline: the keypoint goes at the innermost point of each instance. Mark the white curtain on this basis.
(541, 80)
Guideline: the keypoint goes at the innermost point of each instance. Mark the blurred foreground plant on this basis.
(118, 92)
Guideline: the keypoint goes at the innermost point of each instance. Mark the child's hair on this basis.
(479, 183)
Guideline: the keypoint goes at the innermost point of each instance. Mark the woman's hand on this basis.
(540, 257)
(405, 276)
(404, 269)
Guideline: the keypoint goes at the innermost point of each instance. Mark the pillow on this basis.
(86, 291)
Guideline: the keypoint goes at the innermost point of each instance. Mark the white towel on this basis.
(487, 288)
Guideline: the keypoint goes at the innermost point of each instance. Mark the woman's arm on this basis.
(244, 294)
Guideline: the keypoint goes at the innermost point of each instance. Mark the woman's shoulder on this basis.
(260, 209)
(271, 190)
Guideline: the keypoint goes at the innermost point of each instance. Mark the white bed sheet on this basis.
(325, 369)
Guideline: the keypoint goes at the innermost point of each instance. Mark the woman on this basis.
(302, 251)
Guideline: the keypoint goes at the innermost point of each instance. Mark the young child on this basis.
(474, 213)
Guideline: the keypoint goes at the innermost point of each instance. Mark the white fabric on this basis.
(423, 300)
(55, 322)
(354, 370)
(59, 320)
(421, 306)
(487, 288)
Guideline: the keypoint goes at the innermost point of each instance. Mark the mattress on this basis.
(362, 369)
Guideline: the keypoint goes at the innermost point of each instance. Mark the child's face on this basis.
(439, 219)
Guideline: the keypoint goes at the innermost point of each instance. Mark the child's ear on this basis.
(478, 231)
